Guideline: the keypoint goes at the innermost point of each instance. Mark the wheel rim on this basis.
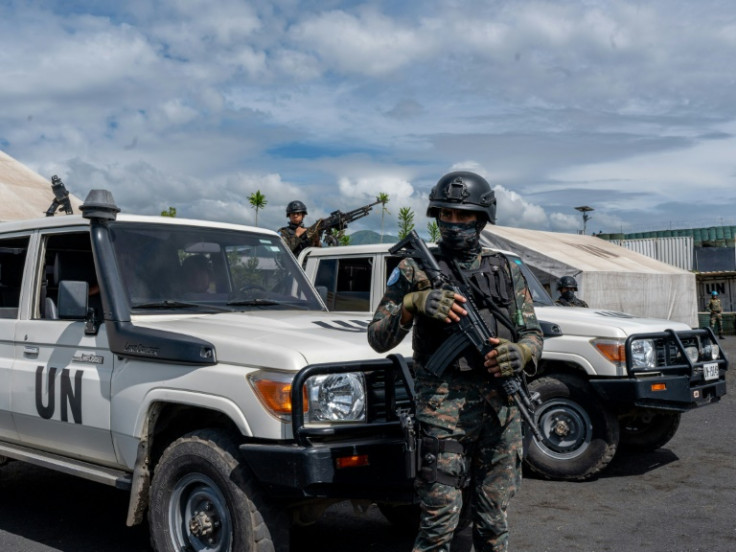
(199, 519)
(566, 428)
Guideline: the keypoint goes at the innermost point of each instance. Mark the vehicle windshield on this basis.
(169, 267)
(539, 294)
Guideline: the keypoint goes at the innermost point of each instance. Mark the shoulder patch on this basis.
(394, 277)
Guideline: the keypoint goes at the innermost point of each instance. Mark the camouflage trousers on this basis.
(716, 323)
(465, 406)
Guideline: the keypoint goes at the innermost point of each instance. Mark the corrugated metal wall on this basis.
(675, 250)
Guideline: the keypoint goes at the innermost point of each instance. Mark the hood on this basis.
(287, 340)
(603, 323)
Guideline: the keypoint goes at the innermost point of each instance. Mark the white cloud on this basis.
(366, 43)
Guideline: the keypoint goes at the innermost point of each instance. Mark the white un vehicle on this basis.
(607, 380)
(227, 402)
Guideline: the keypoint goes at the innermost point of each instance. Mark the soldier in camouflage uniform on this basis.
(471, 430)
(716, 313)
(567, 286)
(295, 235)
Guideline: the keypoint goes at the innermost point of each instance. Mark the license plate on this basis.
(710, 371)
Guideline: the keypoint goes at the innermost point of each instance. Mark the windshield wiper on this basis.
(253, 302)
(171, 304)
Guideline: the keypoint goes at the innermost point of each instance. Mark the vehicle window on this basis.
(12, 259)
(165, 267)
(348, 283)
(391, 263)
(66, 256)
(539, 294)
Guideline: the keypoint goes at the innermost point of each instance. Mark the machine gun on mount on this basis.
(338, 221)
(470, 330)
(61, 198)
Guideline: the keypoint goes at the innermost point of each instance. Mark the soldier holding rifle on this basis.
(297, 237)
(470, 426)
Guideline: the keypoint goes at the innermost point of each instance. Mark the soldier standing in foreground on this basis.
(295, 235)
(471, 431)
(567, 287)
(716, 313)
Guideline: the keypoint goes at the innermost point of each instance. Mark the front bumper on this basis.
(660, 392)
(677, 382)
(291, 470)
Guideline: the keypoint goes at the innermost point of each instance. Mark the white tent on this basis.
(25, 194)
(609, 276)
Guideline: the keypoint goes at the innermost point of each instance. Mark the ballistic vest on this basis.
(493, 293)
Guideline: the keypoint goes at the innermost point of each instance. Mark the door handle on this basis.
(28, 350)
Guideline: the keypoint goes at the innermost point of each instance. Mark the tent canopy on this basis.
(609, 276)
(25, 194)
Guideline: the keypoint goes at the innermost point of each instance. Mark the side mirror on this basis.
(72, 299)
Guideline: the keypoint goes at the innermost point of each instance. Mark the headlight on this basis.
(711, 352)
(336, 398)
(692, 354)
(643, 354)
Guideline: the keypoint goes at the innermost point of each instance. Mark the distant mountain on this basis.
(362, 237)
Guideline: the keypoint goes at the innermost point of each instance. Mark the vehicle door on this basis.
(13, 254)
(60, 389)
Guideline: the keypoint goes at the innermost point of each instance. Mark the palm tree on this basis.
(406, 222)
(257, 201)
(383, 198)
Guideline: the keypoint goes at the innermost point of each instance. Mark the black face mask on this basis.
(568, 295)
(461, 240)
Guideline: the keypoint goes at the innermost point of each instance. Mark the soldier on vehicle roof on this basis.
(295, 235)
(471, 432)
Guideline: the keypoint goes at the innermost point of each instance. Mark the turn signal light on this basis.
(658, 387)
(356, 461)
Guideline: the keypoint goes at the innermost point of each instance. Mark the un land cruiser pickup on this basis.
(227, 402)
(607, 380)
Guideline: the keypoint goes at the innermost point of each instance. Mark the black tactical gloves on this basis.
(434, 303)
(512, 357)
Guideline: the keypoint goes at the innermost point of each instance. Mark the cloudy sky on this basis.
(625, 106)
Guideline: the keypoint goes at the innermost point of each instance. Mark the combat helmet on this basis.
(465, 191)
(296, 207)
(567, 282)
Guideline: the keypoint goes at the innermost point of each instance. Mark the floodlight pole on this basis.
(584, 209)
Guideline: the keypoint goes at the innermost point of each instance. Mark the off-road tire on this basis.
(202, 498)
(580, 434)
(646, 430)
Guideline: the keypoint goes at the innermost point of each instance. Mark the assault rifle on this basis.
(61, 198)
(339, 221)
(470, 330)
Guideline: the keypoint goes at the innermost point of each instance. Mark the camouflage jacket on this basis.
(297, 243)
(385, 330)
(715, 306)
(574, 303)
